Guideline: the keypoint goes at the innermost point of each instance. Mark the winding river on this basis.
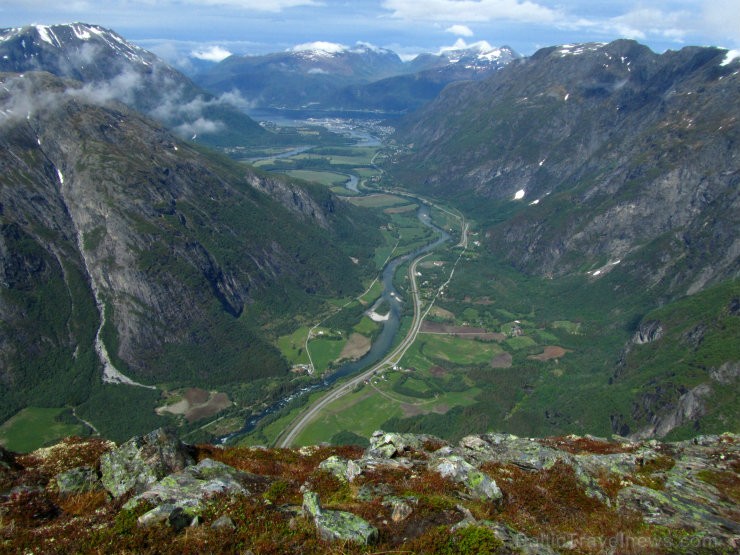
(381, 346)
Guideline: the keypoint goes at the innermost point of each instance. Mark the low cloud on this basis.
(201, 126)
(211, 54)
(460, 30)
(122, 88)
(21, 97)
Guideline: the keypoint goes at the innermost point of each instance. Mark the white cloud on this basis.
(134, 5)
(198, 127)
(652, 22)
(460, 30)
(256, 5)
(211, 54)
(460, 44)
(722, 19)
(471, 10)
(122, 87)
(321, 46)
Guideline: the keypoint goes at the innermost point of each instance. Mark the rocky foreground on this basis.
(493, 493)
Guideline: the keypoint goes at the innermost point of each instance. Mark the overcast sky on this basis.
(173, 27)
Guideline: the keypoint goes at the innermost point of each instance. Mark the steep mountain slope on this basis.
(591, 154)
(331, 76)
(605, 181)
(121, 246)
(117, 69)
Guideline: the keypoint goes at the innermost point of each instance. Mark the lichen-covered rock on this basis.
(143, 460)
(338, 525)
(77, 480)
(344, 526)
(690, 496)
(516, 541)
(369, 462)
(189, 488)
(179, 519)
(311, 504)
(506, 448)
(388, 445)
(343, 469)
(526, 453)
(669, 508)
(478, 483)
(223, 522)
(156, 515)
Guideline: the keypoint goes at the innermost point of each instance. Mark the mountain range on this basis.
(329, 76)
(117, 69)
(602, 180)
(593, 153)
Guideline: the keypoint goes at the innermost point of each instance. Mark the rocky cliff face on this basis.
(594, 152)
(490, 493)
(115, 234)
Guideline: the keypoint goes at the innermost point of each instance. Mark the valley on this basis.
(513, 254)
(496, 349)
(335, 277)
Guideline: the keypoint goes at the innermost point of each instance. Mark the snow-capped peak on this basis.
(319, 48)
(482, 50)
(65, 35)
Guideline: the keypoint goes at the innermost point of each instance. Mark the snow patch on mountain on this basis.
(730, 56)
(47, 35)
(82, 32)
(576, 49)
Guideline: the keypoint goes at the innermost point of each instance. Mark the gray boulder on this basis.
(77, 480)
(345, 470)
(223, 523)
(461, 471)
(338, 525)
(143, 460)
(506, 448)
(156, 515)
(191, 487)
(388, 445)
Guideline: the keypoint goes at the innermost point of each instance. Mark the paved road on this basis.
(288, 436)
(296, 427)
